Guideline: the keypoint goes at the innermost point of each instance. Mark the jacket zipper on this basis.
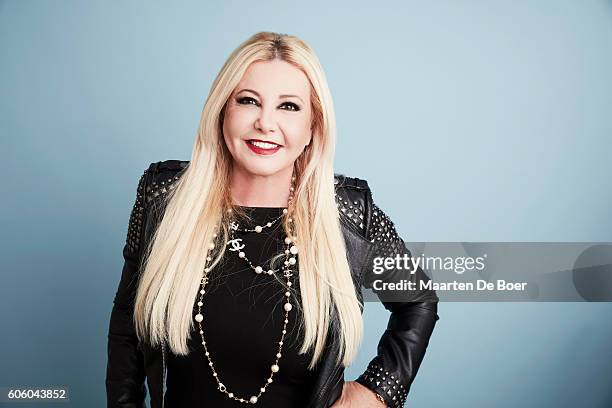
(163, 373)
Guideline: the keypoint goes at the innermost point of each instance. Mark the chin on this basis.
(261, 170)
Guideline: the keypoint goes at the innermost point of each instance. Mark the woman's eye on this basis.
(246, 100)
(292, 106)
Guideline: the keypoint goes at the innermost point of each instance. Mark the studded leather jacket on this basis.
(368, 233)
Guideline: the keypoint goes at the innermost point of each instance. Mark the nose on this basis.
(265, 121)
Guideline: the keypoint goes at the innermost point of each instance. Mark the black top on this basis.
(243, 320)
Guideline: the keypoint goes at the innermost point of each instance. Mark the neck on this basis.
(251, 190)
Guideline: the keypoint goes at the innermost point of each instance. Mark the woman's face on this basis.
(268, 118)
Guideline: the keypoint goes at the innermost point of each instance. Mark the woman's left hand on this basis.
(355, 395)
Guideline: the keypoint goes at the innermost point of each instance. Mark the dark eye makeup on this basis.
(247, 100)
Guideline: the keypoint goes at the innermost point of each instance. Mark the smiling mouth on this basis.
(263, 145)
(262, 148)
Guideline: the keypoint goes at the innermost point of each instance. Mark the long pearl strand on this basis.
(290, 260)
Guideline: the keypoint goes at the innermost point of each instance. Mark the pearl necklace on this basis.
(274, 368)
(236, 245)
(258, 228)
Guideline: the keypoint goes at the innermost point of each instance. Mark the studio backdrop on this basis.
(482, 127)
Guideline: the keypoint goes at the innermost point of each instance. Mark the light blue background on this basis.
(471, 120)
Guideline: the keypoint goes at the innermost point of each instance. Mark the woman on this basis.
(244, 266)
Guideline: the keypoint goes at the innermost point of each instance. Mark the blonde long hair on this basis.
(174, 260)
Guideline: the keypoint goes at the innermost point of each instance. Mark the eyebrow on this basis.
(281, 96)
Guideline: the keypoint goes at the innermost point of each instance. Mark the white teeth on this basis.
(263, 145)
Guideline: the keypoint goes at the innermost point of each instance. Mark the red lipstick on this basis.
(262, 150)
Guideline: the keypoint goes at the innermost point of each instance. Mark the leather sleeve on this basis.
(125, 374)
(402, 346)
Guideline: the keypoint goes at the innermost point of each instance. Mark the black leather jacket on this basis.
(368, 232)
